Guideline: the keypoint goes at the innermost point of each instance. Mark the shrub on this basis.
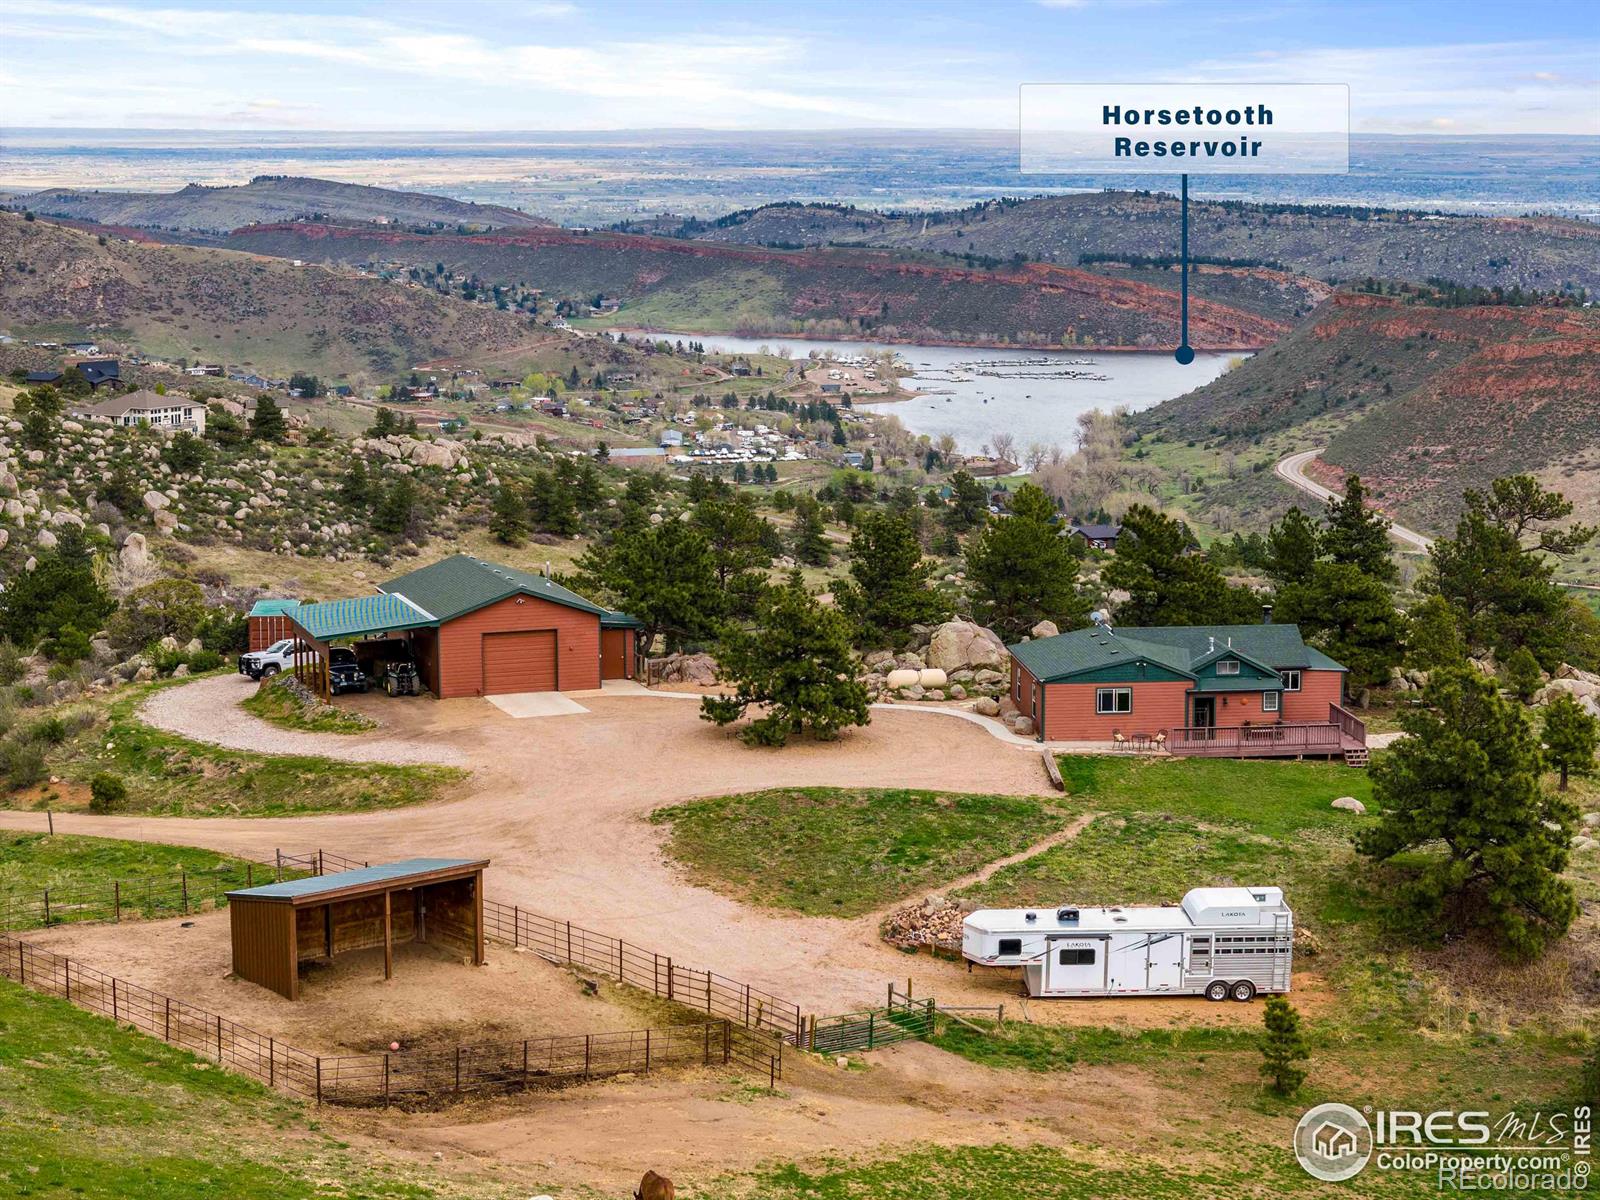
(22, 763)
(204, 660)
(51, 731)
(11, 668)
(107, 793)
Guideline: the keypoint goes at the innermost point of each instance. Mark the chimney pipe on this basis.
(1266, 614)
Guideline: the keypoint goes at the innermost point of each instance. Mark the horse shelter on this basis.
(278, 926)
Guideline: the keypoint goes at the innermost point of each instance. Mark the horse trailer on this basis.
(1220, 942)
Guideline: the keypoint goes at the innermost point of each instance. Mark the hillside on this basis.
(681, 285)
(1323, 242)
(250, 311)
(1420, 401)
(264, 198)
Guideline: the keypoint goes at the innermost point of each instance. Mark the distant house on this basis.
(671, 437)
(50, 376)
(169, 413)
(100, 371)
(832, 388)
(1220, 690)
(344, 391)
(1101, 537)
(740, 366)
(852, 459)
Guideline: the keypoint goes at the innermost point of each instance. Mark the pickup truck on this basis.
(279, 656)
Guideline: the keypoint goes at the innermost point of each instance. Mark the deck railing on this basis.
(1350, 725)
(1243, 741)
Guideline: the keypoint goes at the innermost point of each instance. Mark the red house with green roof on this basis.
(1219, 690)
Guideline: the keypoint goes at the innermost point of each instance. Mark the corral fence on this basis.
(745, 1027)
(902, 1019)
(148, 896)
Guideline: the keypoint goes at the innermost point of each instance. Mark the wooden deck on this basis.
(1333, 738)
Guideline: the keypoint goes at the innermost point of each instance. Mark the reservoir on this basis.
(972, 394)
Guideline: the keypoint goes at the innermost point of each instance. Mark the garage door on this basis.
(524, 661)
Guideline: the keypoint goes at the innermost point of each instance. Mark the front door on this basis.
(1205, 711)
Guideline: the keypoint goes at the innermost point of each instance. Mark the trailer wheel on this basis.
(1244, 991)
(1217, 990)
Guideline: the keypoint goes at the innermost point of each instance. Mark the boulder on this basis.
(1578, 689)
(903, 677)
(155, 501)
(957, 692)
(165, 522)
(688, 668)
(958, 644)
(910, 661)
(1350, 804)
(878, 658)
(934, 694)
(1022, 726)
(1045, 629)
(986, 706)
(932, 677)
(912, 691)
(987, 678)
(135, 552)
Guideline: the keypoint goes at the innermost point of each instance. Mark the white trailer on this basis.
(1220, 942)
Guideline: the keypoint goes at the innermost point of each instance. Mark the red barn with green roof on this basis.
(478, 629)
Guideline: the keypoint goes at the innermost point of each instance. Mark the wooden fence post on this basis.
(458, 1069)
(647, 1052)
(569, 941)
(116, 900)
(727, 1039)
(166, 1024)
(516, 940)
(272, 1063)
(249, 875)
(386, 1081)
(66, 965)
(277, 867)
(319, 861)
(183, 878)
(319, 1079)
(47, 906)
(655, 966)
(219, 1037)
(588, 1040)
(113, 999)
(22, 973)
(619, 958)
(669, 977)
(747, 1005)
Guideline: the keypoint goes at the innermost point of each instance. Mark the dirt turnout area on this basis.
(436, 999)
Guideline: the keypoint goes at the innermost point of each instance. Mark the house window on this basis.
(1269, 701)
(1291, 680)
(1076, 958)
(1228, 666)
(1113, 700)
(1010, 946)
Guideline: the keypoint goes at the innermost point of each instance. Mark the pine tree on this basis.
(796, 663)
(888, 591)
(1465, 785)
(1350, 616)
(509, 520)
(1522, 674)
(1167, 584)
(1434, 635)
(552, 504)
(662, 574)
(267, 423)
(1570, 737)
(396, 508)
(1283, 1047)
(808, 542)
(1358, 536)
(1293, 546)
(1023, 571)
(969, 503)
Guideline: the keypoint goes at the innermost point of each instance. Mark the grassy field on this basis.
(847, 851)
(168, 775)
(88, 1110)
(273, 702)
(31, 861)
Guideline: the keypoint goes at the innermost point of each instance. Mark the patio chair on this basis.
(1160, 742)
(1118, 742)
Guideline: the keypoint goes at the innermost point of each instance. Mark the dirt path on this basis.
(207, 710)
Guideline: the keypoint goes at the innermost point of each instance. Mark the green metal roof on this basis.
(273, 608)
(461, 584)
(619, 620)
(1235, 683)
(1180, 647)
(314, 885)
(360, 615)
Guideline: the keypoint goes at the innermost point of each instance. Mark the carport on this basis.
(362, 618)
(278, 926)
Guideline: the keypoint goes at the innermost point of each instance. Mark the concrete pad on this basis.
(535, 704)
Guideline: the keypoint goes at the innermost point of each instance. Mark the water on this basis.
(1026, 393)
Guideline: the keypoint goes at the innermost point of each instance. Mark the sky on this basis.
(1413, 66)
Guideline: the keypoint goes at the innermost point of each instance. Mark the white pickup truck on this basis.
(277, 657)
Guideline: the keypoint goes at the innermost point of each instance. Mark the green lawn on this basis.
(847, 851)
(88, 1110)
(168, 775)
(275, 703)
(82, 872)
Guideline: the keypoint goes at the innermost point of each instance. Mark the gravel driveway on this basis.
(207, 710)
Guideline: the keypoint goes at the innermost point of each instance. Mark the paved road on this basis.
(1292, 470)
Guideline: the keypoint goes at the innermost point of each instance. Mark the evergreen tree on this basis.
(1570, 738)
(1293, 546)
(1434, 635)
(396, 507)
(1522, 674)
(184, 453)
(267, 423)
(552, 504)
(742, 545)
(355, 489)
(969, 503)
(1358, 536)
(796, 663)
(888, 591)
(1167, 583)
(808, 543)
(1465, 787)
(665, 575)
(1283, 1047)
(59, 605)
(1350, 616)
(509, 520)
(1022, 571)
